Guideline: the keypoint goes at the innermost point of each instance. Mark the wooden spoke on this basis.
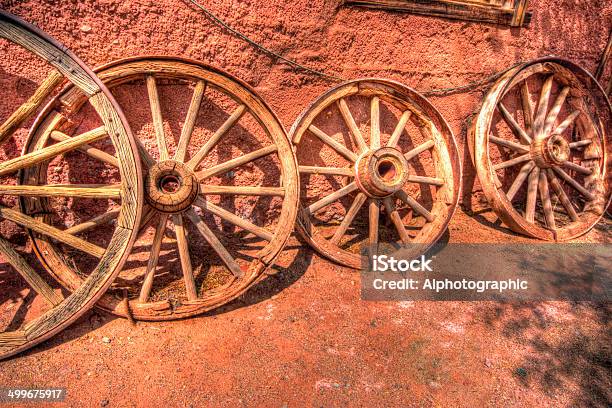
(373, 217)
(527, 106)
(214, 139)
(158, 122)
(52, 232)
(190, 120)
(238, 161)
(147, 282)
(212, 240)
(509, 144)
(348, 218)
(580, 143)
(538, 122)
(577, 186)
(397, 220)
(512, 162)
(399, 129)
(242, 190)
(87, 149)
(546, 204)
(94, 222)
(336, 195)
(183, 247)
(64, 190)
(426, 180)
(419, 149)
(519, 180)
(46, 153)
(31, 105)
(328, 140)
(375, 123)
(513, 124)
(565, 201)
(577, 168)
(567, 122)
(532, 194)
(334, 171)
(234, 219)
(401, 194)
(28, 274)
(145, 157)
(350, 123)
(554, 111)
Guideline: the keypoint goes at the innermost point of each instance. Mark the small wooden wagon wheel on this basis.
(368, 147)
(539, 144)
(221, 188)
(33, 306)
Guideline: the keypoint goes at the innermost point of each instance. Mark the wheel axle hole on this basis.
(170, 183)
(386, 170)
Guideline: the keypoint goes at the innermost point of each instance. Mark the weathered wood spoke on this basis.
(64, 190)
(147, 283)
(435, 181)
(399, 129)
(419, 149)
(93, 223)
(158, 122)
(542, 109)
(580, 143)
(47, 153)
(509, 144)
(214, 242)
(234, 219)
(350, 123)
(577, 168)
(233, 163)
(183, 247)
(513, 124)
(242, 190)
(396, 219)
(577, 186)
(519, 180)
(512, 162)
(28, 274)
(546, 204)
(555, 109)
(415, 205)
(532, 194)
(375, 123)
(567, 122)
(336, 195)
(190, 120)
(558, 190)
(52, 232)
(328, 140)
(373, 217)
(214, 139)
(87, 149)
(334, 171)
(358, 202)
(527, 106)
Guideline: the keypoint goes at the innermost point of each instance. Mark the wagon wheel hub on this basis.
(381, 172)
(550, 151)
(171, 187)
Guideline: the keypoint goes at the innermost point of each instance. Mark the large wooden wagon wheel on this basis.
(370, 147)
(221, 188)
(540, 146)
(33, 307)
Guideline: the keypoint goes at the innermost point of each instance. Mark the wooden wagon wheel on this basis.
(220, 185)
(370, 146)
(539, 144)
(34, 308)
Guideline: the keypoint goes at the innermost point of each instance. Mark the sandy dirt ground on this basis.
(304, 337)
